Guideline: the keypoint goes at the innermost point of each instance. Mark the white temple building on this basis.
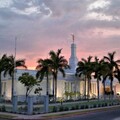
(70, 83)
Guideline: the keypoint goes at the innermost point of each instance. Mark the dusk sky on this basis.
(44, 25)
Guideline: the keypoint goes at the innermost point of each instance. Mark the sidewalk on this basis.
(60, 114)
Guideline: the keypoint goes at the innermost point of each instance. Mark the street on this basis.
(104, 115)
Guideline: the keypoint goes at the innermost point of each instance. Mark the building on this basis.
(70, 83)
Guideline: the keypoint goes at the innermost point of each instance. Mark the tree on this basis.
(85, 67)
(11, 65)
(113, 65)
(104, 72)
(2, 67)
(38, 91)
(89, 71)
(98, 70)
(117, 74)
(81, 71)
(59, 63)
(43, 70)
(29, 82)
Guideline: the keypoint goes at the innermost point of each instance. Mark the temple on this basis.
(70, 83)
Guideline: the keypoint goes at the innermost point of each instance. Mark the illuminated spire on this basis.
(73, 58)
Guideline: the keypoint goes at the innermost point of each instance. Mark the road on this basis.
(104, 115)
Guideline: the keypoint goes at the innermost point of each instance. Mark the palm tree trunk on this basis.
(98, 89)
(0, 86)
(47, 89)
(88, 90)
(85, 88)
(111, 87)
(56, 87)
(104, 90)
(53, 87)
(55, 90)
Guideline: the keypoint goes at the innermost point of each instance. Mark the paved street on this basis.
(105, 115)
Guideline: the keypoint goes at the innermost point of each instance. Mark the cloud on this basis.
(24, 9)
(44, 25)
(105, 10)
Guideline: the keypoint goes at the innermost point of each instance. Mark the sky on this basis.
(43, 25)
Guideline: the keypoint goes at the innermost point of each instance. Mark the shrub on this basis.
(61, 108)
(86, 106)
(105, 104)
(77, 107)
(54, 109)
(34, 113)
(66, 108)
(73, 108)
(25, 108)
(70, 100)
(8, 101)
(115, 103)
(36, 108)
(91, 106)
(94, 106)
(21, 103)
(110, 104)
(118, 103)
(82, 107)
(99, 105)
(3, 108)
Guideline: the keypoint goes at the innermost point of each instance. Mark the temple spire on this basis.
(73, 58)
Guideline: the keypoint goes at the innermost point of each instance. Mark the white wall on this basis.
(61, 88)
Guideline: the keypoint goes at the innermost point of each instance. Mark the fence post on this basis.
(14, 103)
(30, 105)
(46, 104)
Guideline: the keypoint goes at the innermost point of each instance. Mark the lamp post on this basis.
(14, 73)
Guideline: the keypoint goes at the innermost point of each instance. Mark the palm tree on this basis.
(11, 65)
(117, 74)
(98, 70)
(104, 71)
(43, 69)
(59, 63)
(112, 64)
(89, 71)
(81, 71)
(2, 67)
(85, 67)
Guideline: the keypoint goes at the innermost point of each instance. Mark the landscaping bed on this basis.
(64, 106)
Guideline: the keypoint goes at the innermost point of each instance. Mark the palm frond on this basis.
(62, 71)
